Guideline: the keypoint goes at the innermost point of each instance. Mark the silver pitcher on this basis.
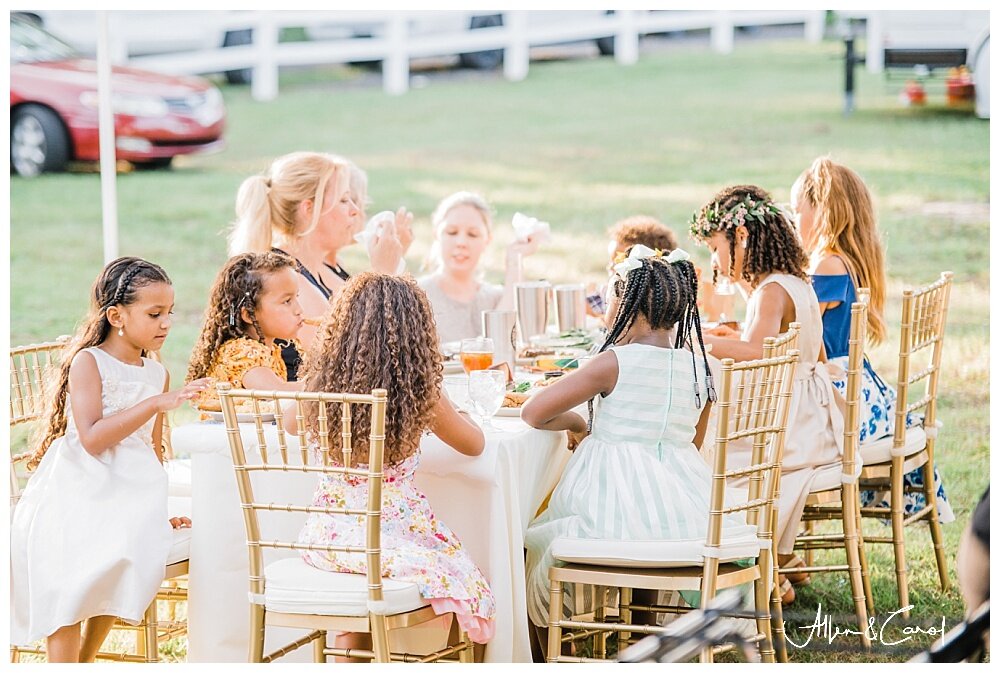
(571, 307)
(532, 301)
(501, 326)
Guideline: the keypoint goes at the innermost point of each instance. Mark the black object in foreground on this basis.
(966, 642)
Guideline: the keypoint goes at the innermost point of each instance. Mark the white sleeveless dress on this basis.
(815, 435)
(90, 534)
(638, 476)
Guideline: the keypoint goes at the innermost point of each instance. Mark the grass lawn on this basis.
(581, 144)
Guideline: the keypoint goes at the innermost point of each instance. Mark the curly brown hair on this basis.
(772, 244)
(237, 287)
(118, 285)
(378, 333)
(643, 229)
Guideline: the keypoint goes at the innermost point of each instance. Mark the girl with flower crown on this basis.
(638, 474)
(755, 246)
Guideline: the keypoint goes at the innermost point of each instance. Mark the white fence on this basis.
(395, 47)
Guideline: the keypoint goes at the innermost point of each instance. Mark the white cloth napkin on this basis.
(374, 227)
(525, 226)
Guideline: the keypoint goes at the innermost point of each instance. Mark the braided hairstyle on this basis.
(118, 285)
(772, 244)
(378, 333)
(238, 286)
(665, 294)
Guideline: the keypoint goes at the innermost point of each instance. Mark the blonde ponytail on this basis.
(252, 230)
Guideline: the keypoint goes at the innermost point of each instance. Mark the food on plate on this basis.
(512, 399)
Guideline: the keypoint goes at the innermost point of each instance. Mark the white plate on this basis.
(240, 418)
(509, 412)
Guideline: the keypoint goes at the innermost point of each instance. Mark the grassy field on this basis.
(581, 144)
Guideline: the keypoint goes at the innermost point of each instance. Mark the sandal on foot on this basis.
(787, 593)
(797, 579)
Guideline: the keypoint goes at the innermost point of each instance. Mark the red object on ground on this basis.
(915, 94)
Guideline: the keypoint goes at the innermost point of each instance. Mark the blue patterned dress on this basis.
(878, 400)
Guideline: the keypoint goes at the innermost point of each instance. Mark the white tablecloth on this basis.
(487, 500)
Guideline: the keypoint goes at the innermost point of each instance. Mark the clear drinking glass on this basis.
(724, 288)
(486, 392)
(476, 354)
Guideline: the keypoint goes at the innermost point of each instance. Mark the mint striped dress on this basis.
(638, 476)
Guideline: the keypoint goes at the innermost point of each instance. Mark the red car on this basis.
(53, 108)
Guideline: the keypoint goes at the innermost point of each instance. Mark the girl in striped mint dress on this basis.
(638, 475)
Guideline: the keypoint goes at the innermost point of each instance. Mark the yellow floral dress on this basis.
(234, 359)
(416, 546)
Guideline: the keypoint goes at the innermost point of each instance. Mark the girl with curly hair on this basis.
(90, 535)
(380, 333)
(252, 306)
(754, 244)
(837, 224)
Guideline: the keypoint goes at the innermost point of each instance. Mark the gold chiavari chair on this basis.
(753, 406)
(32, 368)
(833, 493)
(776, 347)
(288, 592)
(921, 342)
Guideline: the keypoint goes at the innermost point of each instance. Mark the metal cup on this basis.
(571, 307)
(532, 301)
(501, 326)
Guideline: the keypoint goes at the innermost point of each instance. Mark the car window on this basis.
(30, 44)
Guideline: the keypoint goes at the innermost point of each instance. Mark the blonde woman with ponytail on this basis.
(302, 206)
(90, 535)
(837, 225)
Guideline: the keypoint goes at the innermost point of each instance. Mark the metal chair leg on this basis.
(898, 542)
(930, 496)
(555, 616)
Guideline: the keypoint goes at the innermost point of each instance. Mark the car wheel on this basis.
(235, 38)
(151, 164)
(483, 60)
(38, 141)
(606, 45)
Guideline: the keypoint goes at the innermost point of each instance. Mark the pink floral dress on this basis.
(416, 546)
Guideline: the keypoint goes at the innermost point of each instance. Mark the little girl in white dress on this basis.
(90, 534)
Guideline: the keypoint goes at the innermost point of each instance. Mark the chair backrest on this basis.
(783, 343)
(31, 369)
(921, 340)
(312, 457)
(754, 398)
(852, 394)
(166, 448)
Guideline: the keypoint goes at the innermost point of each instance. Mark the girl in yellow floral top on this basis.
(254, 304)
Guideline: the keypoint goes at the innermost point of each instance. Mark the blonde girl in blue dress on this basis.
(637, 474)
(90, 535)
(837, 225)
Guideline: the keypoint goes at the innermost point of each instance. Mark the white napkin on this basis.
(374, 227)
(525, 226)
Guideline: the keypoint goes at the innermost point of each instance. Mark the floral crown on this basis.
(711, 218)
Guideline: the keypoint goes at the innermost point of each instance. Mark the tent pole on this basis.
(106, 127)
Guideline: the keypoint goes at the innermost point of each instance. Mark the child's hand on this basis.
(724, 331)
(175, 398)
(180, 522)
(575, 438)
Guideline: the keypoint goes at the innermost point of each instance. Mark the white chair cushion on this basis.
(826, 478)
(873, 453)
(179, 477)
(292, 585)
(650, 553)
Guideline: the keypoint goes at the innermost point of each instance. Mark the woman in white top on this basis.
(754, 244)
(463, 228)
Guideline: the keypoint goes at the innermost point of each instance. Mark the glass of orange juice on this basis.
(476, 354)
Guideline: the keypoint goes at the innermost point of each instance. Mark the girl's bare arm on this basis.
(456, 429)
(774, 304)
(549, 408)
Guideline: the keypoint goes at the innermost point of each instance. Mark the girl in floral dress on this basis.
(836, 221)
(253, 305)
(380, 333)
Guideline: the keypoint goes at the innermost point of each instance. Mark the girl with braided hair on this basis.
(836, 220)
(90, 535)
(253, 305)
(755, 245)
(638, 474)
